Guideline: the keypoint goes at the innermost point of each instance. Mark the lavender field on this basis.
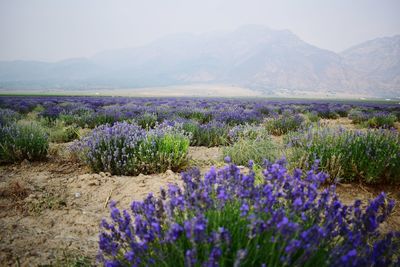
(122, 181)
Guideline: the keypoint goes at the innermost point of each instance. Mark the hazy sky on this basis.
(53, 29)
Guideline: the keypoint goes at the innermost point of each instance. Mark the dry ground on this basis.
(50, 211)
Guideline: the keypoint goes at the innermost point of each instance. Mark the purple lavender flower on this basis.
(226, 219)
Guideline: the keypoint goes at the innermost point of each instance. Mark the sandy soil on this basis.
(50, 211)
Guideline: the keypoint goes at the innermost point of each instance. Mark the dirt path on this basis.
(50, 211)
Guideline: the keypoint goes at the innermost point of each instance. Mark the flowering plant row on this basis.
(22, 141)
(227, 219)
(371, 156)
(125, 148)
(94, 111)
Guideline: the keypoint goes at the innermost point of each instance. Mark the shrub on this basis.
(328, 112)
(50, 113)
(257, 149)
(19, 142)
(201, 116)
(312, 117)
(283, 124)
(82, 118)
(226, 219)
(381, 120)
(162, 150)
(371, 156)
(8, 116)
(61, 133)
(211, 134)
(372, 119)
(147, 120)
(358, 116)
(128, 149)
(246, 132)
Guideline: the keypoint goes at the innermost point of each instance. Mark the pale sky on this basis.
(51, 30)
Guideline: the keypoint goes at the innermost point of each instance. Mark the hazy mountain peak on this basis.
(252, 56)
(377, 59)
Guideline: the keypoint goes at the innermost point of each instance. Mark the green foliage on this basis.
(160, 153)
(23, 141)
(197, 115)
(256, 149)
(371, 156)
(312, 117)
(328, 114)
(382, 121)
(8, 116)
(147, 120)
(357, 115)
(87, 119)
(59, 131)
(247, 131)
(210, 134)
(370, 119)
(283, 124)
(128, 149)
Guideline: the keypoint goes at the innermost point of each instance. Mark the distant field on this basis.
(194, 90)
(203, 90)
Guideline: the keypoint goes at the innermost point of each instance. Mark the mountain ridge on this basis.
(251, 56)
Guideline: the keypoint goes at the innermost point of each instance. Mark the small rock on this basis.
(95, 182)
(25, 162)
(96, 176)
(84, 177)
(32, 196)
(169, 172)
(78, 194)
(102, 174)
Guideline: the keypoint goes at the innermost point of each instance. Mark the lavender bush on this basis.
(128, 149)
(246, 131)
(19, 142)
(93, 111)
(8, 116)
(358, 115)
(258, 150)
(372, 119)
(147, 120)
(213, 133)
(371, 156)
(59, 132)
(250, 143)
(283, 124)
(226, 219)
(382, 120)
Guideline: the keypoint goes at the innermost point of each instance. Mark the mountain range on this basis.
(269, 61)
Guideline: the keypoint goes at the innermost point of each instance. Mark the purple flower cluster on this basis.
(93, 111)
(8, 116)
(125, 148)
(348, 154)
(372, 118)
(22, 141)
(227, 219)
(112, 148)
(282, 124)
